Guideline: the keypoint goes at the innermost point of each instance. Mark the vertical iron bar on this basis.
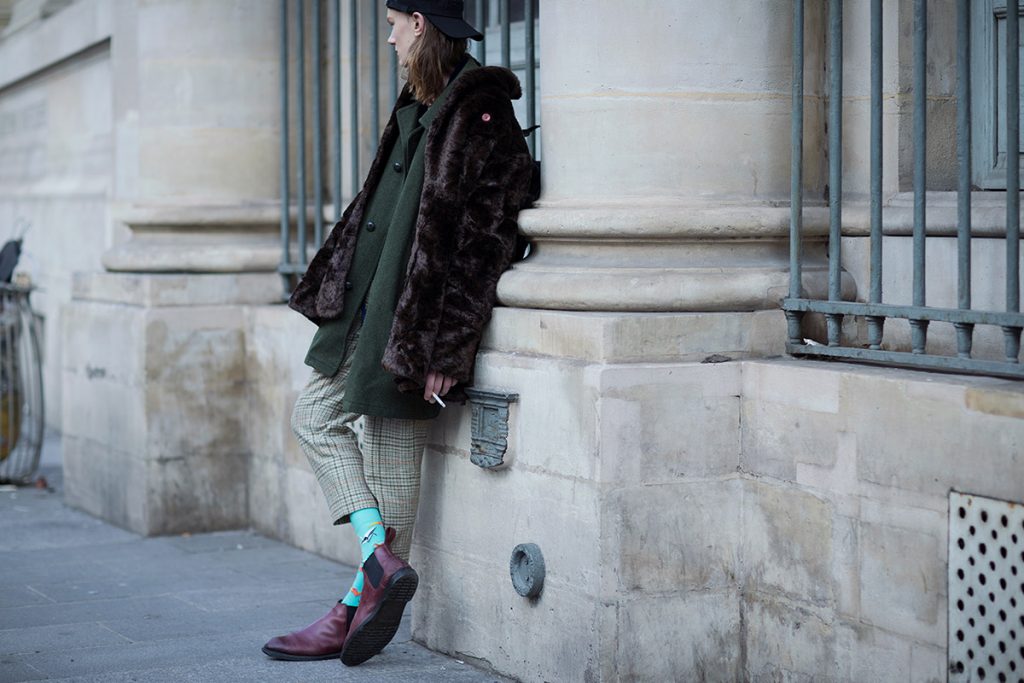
(11, 389)
(919, 328)
(374, 72)
(875, 323)
(793, 318)
(1012, 155)
(964, 331)
(301, 142)
(481, 25)
(285, 198)
(19, 424)
(336, 63)
(1011, 335)
(393, 65)
(531, 116)
(506, 28)
(318, 100)
(835, 140)
(353, 92)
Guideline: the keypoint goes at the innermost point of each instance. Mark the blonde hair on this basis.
(432, 58)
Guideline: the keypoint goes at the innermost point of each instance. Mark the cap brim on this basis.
(454, 27)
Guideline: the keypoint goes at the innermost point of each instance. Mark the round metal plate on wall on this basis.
(527, 570)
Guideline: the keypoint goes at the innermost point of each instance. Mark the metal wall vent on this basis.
(986, 589)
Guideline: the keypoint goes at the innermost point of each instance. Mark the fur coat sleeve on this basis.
(477, 176)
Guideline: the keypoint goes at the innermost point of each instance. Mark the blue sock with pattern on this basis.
(370, 529)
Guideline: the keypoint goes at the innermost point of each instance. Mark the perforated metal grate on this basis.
(986, 589)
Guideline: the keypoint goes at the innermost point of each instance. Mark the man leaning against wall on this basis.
(401, 291)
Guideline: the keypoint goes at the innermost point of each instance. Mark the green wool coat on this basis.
(377, 274)
(477, 177)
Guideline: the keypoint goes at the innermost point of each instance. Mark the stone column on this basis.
(660, 252)
(666, 174)
(197, 125)
(154, 366)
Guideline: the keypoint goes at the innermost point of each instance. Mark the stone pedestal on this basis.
(623, 468)
(155, 382)
(155, 392)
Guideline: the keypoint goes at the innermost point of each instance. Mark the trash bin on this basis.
(21, 387)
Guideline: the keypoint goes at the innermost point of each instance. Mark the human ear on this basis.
(418, 24)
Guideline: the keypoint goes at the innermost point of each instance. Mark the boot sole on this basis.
(284, 656)
(373, 635)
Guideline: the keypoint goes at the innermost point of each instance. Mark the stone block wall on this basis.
(285, 500)
(56, 153)
(848, 475)
(753, 520)
(155, 440)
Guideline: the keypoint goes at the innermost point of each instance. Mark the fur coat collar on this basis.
(477, 176)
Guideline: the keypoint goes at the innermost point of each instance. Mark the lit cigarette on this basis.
(438, 399)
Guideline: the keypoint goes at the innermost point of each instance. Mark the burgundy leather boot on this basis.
(323, 639)
(388, 584)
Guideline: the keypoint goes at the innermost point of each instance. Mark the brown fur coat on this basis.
(477, 175)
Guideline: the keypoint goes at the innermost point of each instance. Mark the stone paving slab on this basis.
(81, 600)
(37, 639)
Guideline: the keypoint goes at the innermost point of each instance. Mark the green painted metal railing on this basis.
(919, 314)
(363, 50)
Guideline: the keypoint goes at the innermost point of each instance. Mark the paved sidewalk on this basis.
(81, 600)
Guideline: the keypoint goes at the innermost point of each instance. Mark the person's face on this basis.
(405, 30)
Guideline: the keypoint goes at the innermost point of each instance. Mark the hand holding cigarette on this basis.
(438, 384)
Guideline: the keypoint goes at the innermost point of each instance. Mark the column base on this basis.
(639, 256)
(155, 391)
(200, 239)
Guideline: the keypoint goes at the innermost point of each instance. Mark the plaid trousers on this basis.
(381, 470)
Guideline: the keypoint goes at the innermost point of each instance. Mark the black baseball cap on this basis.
(446, 15)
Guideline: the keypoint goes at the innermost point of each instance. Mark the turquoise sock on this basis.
(355, 592)
(369, 528)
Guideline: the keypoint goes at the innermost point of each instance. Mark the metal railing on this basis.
(320, 124)
(21, 387)
(875, 311)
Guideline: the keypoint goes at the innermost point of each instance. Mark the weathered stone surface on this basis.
(903, 581)
(177, 289)
(787, 643)
(672, 537)
(777, 438)
(490, 513)
(107, 483)
(790, 416)
(931, 460)
(798, 386)
(928, 664)
(285, 500)
(634, 337)
(666, 423)
(276, 342)
(787, 543)
(158, 496)
(863, 653)
(716, 100)
(193, 493)
(554, 424)
(468, 608)
(1005, 399)
(687, 636)
(310, 523)
(153, 423)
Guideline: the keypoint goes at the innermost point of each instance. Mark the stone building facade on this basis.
(761, 518)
